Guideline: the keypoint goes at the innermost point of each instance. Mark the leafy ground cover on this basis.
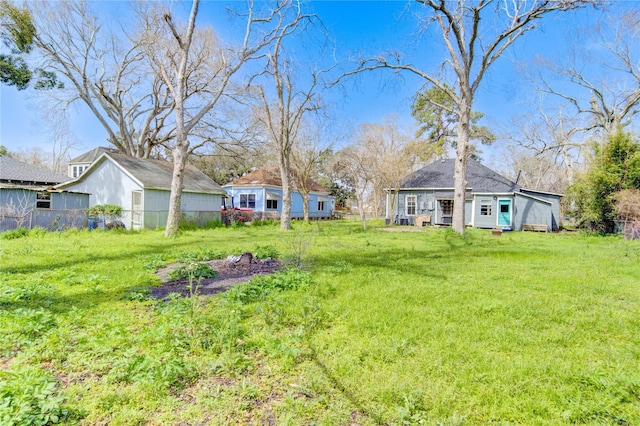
(377, 328)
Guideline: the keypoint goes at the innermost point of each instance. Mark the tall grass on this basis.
(380, 328)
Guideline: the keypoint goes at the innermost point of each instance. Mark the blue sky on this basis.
(363, 26)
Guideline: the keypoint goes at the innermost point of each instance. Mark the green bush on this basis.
(615, 167)
(263, 285)
(30, 397)
(199, 255)
(187, 225)
(264, 222)
(215, 224)
(197, 271)
(265, 252)
(14, 233)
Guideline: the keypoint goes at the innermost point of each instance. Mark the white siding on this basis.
(107, 184)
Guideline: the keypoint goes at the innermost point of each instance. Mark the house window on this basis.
(78, 170)
(412, 201)
(320, 206)
(447, 208)
(43, 200)
(272, 204)
(485, 208)
(247, 201)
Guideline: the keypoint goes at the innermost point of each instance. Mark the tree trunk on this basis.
(460, 170)
(363, 216)
(305, 205)
(285, 216)
(177, 184)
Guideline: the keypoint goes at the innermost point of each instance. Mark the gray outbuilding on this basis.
(28, 198)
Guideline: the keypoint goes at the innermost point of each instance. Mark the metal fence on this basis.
(52, 220)
(58, 220)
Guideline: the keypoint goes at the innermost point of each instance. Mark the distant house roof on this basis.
(155, 174)
(439, 175)
(93, 155)
(19, 172)
(270, 176)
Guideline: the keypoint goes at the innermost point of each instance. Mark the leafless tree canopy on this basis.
(106, 71)
(603, 72)
(475, 34)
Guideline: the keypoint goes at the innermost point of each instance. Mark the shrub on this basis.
(187, 225)
(264, 222)
(196, 256)
(626, 205)
(214, 224)
(14, 233)
(265, 252)
(238, 224)
(30, 397)
(262, 285)
(109, 213)
(615, 167)
(196, 271)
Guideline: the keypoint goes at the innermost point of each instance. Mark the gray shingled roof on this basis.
(93, 155)
(439, 175)
(16, 171)
(157, 174)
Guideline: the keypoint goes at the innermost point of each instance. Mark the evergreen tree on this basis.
(615, 167)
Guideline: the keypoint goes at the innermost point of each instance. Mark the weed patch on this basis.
(395, 328)
(30, 397)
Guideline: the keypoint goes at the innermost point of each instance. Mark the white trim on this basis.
(406, 204)
(473, 212)
(541, 192)
(511, 207)
(521, 194)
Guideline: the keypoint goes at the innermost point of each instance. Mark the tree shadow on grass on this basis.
(91, 258)
(346, 393)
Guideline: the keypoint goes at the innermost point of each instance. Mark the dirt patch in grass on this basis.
(229, 272)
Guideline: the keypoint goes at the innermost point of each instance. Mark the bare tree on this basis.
(605, 69)
(182, 62)
(282, 113)
(355, 162)
(548, 137)
(390, 156)
(104, 71)
(475, 34)
(311, 149)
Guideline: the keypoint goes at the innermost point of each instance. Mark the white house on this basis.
(142, 188)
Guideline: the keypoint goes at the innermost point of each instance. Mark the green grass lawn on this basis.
(379, 328)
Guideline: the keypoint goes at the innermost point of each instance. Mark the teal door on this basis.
(504, 212)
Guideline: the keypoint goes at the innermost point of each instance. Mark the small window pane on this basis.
(411, 205)
(447, 207)
(504, 208)
(43, 200)
(485, 209)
